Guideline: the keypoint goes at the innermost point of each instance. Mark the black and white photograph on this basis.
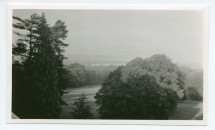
(108, 64)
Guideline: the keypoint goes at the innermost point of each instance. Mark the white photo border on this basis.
(204, 8)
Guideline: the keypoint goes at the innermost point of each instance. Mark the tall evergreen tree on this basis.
(81, 110)
(38, 53)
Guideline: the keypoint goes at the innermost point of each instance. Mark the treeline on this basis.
(81, 75)
(38, 74)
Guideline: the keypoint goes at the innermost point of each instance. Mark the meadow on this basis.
(186, 110)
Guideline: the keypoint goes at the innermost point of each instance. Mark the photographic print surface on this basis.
(108, 65)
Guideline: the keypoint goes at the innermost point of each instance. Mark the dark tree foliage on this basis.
(81, 110)
(38, 73)
(139, 98)
(18, 87)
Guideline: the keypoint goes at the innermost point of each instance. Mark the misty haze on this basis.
(107, 64)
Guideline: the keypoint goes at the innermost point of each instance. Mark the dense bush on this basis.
(138, 98)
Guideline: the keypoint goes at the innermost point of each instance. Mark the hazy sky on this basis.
(118, 35)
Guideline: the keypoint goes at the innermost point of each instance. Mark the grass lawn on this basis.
(73, 93)
(186, 110)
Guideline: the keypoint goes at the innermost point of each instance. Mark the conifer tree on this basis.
(81, 110)
(37, 55)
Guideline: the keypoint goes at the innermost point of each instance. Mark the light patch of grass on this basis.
(188, 110)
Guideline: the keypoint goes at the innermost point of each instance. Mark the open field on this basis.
(186, 110)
